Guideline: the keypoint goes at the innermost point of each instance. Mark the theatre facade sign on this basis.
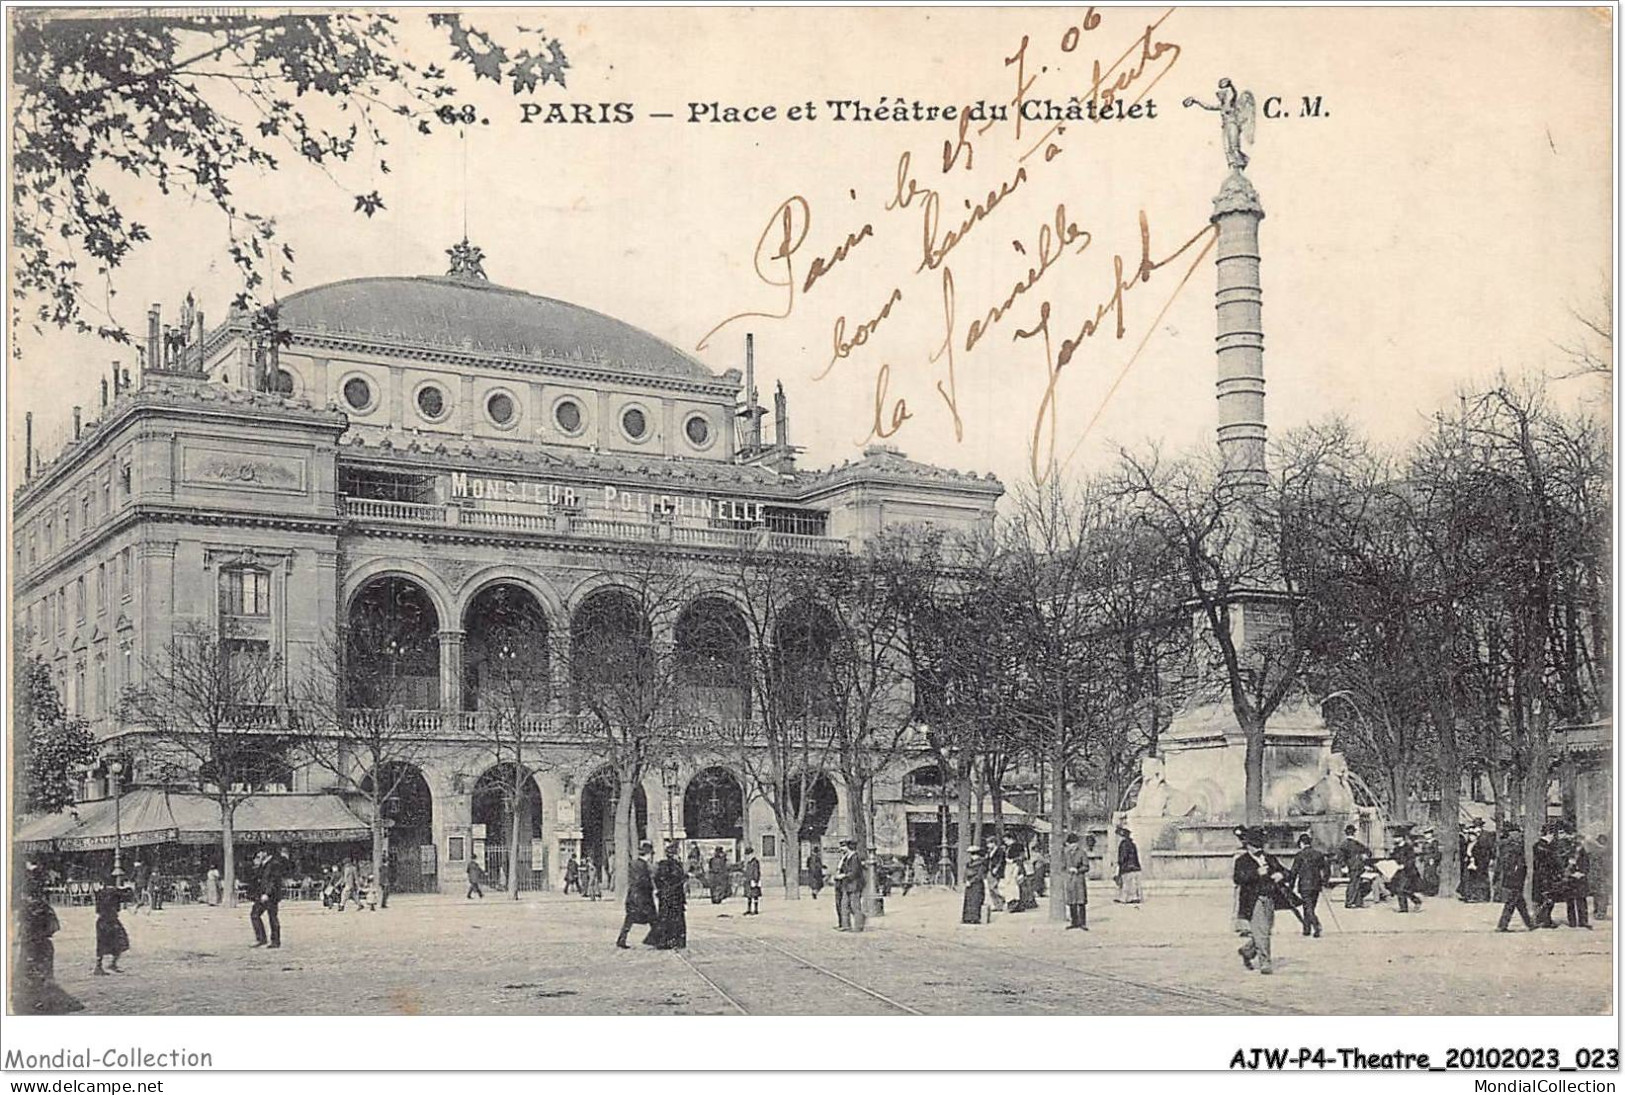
(460, 486)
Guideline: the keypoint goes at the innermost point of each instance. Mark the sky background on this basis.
(1441, 221)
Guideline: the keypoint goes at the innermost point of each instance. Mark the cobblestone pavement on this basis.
(550, 954)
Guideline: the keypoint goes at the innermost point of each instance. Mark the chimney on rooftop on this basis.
(155, 336)
(753, 410)
(76, 426)
(28, 445)
(104, 395)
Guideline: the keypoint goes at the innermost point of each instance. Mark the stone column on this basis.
(1240, 350)
(451, 671)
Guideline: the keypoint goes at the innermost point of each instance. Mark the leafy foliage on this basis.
(57, 746)
(190, 103)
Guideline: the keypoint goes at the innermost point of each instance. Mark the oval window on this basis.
(501, 408)
(282, 382)
(568, 416)
(634, 423)
(358, 393)
(431, 401)
(698, 430)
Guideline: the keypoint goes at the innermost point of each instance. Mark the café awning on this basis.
(151, 815)
(1013, 815)
(142, 817)
(268, 819)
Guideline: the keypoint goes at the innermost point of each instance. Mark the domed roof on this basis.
(473, 316)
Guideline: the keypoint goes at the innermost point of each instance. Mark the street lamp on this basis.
(668, 779)
(114, 770)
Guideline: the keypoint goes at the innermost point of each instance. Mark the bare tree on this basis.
(511, 662)
(857, 673)
(1224, 534)
(780, 744)
(213, 709)
(625, 676)
(352, 699)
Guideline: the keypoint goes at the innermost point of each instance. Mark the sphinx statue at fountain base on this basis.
(1193, 793)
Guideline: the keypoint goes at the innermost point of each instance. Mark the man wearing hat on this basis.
(1310, 872)
(849, 888)
(1546, 867)
(1405, 882)
(1478, 853)
(1129, 891)
(640, 895)
(753, 883)
(1513, 873)
(1354, 856)
(1075, 859)
(1259, 876)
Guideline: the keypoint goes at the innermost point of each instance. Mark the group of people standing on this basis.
(1563, 870)
(986, 870)
(584, 878)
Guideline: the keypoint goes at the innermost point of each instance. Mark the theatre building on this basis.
(442, 452)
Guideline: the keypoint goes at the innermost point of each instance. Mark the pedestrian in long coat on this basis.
(1577, 884)
(1259, 877)
(1310, 873)
(640, 897)
(1602, 876)
(34, 987)
(1513, 871)
(717, 876)
(671, 891)
(1547, 884)
(111, 938)
(1075, 862)
(975, 888)
(572, 876)
(753, 883)
(1354, 856)
(849, 887)
(590, 880)
(815, 871)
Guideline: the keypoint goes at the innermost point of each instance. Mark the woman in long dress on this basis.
(975, 888)
(111, 938)
(815, 871)
(671, 891)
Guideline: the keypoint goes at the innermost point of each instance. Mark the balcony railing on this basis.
(554, 727)
(383, 511)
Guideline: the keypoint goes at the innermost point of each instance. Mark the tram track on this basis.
(1237, 1003)
(732, 995)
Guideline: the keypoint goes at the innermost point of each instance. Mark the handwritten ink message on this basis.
(958, 206)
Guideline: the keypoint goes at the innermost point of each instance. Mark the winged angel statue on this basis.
(1236, 111)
